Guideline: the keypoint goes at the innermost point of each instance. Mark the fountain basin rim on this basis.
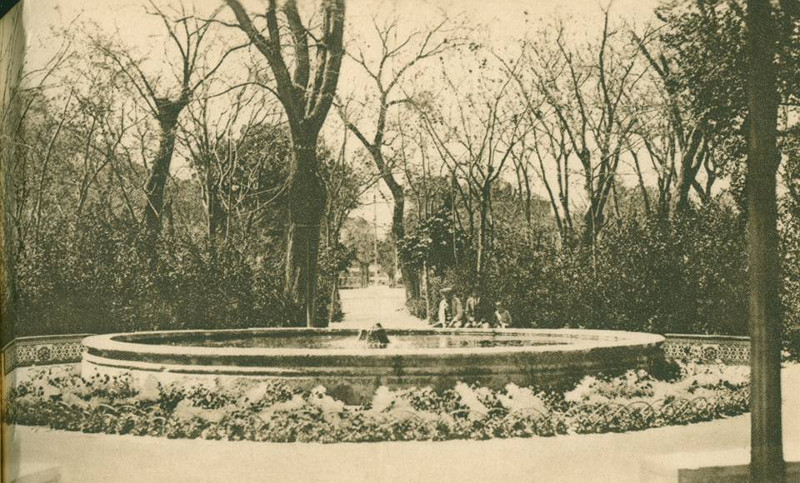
(569, 340)
(353, 374)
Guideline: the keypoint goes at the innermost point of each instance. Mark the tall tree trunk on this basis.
(410, 277)
(640, 179)
(412, 284)
(159, 171)
(334, 296)
(593, 221)
(688, 171)
(486, 193)
(216, 219)
(12, 39)
(306, 194)
(306, 96)
(563, 197)
(550, 195)
(212, 212)
(766, 459)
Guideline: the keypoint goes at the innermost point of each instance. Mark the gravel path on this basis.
(364, 307)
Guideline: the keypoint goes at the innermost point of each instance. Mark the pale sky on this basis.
(496, 23)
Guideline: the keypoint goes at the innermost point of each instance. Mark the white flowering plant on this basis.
(255, 410)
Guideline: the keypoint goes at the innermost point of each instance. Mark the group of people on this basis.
(476, 312)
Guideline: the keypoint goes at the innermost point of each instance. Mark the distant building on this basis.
(363, 275)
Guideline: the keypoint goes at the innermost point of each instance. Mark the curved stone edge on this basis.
(353, 376)
(120, 345)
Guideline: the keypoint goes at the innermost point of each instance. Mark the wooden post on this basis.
(766, 459)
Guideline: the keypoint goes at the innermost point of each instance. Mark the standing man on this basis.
(444, 308)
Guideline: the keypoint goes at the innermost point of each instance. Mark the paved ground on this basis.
(364, 307)
(86, 458)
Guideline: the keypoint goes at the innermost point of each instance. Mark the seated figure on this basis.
(451, 312)
(502, 317)
(476, 313)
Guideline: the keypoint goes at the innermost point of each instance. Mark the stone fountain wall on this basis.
(67, 349)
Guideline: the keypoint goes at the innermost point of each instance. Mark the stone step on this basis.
(711, 466)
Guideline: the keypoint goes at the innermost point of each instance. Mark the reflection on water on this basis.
(344, 342)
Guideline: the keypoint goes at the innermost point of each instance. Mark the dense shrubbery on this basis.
(85, 259)
(660, 275)
(271, 411)
(98, 280)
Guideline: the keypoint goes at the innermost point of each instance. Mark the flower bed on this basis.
(270, 411)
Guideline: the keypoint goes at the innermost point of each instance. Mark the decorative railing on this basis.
(67, 349)
(43, 350)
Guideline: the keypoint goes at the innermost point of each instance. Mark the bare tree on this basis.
(306, 95)
(687, 139)
(585, 90)
(229, 185)
(427, 180)
(187, 35)
(656, 136)
(476, 144)
(24, 94)
(73, 149)
(549, 147)
(399, 54)
(346, 181)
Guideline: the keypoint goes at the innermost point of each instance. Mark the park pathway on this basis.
(364, 307)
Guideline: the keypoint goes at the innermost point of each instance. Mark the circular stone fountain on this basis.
(351, 369)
